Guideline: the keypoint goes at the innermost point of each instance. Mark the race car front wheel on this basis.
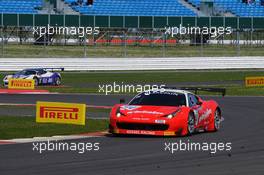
(36, 81)
(191, 123)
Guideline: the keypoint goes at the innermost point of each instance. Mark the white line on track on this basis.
(53, 138)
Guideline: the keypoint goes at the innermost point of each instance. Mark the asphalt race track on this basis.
(243, 127)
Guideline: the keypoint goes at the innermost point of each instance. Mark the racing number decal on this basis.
(50, 80)
(203, 114)
(196, 115)
(197, 112)
(46, 80)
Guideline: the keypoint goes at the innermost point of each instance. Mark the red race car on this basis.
(166, 112)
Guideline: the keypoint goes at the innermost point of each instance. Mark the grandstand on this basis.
(131, 26)
(135, 7)
(164, 7)
(237, 7)
(20, 6)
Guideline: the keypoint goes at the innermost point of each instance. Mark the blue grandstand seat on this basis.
(20, 6)
(237, 7)
(133, 8)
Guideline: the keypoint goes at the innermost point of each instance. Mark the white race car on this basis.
(41, 76)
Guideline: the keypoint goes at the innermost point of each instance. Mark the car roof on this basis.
(34, 69)
(172, 90)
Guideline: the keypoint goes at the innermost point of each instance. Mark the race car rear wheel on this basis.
(57, 81)
(191, 124)
(217, 120)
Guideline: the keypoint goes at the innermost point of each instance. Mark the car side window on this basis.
(43, 72)
(193, 101)
(30, 72)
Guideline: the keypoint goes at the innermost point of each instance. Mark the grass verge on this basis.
(26, 127)
(88, 82)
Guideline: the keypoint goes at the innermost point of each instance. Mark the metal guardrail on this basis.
(182, 63)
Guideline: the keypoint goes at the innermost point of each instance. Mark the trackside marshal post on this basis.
(54, 112)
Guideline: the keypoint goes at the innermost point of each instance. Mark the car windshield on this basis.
(159, 99)
(27, 72)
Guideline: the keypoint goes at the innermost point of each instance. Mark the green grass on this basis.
(26, 127)
(79, 82)
(155, 76)
(245, 91)
(32, 108)
(236, 90)
(88, 82)
(183, 50)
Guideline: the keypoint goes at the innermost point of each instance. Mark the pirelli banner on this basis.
(54, 112)
(254, 81)
(21, 83)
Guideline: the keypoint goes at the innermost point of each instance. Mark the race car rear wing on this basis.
(54, 68)
(196, 89)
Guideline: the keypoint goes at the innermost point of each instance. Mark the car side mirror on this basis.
(199, 103)
(122, 101)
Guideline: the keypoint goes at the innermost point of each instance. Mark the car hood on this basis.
(147, 111)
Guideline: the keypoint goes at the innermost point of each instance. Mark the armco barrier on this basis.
(182, 63)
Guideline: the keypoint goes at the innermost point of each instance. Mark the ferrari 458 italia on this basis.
(166, 112)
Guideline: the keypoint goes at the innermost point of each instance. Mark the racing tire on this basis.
(36, 81)
(191, 124)
(217, 120)
(57, 81)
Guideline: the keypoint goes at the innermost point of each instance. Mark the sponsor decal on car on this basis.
(140, 132)
(162, 91)
(129, 107)
(143, 119)
(254, 81)
(53, 112)
(205, 115)
(21, 83)
(146, 112)
(160, 121)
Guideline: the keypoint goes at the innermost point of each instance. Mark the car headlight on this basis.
(170, 116)
(119, 113)
(7, 76)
